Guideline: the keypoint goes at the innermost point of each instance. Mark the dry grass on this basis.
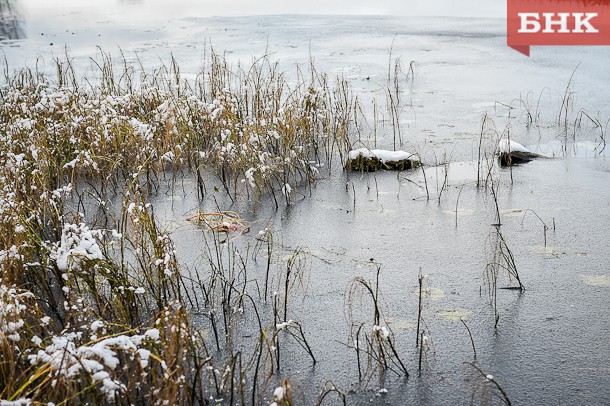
(98, 314)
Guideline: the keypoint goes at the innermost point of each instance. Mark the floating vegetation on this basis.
(596, 280)
(432, 293)
(455, 314)
(400, 324)
(513, 212)
(546, 250)
(459, 212)
(222, 222)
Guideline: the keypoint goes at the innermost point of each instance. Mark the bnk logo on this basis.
(557, 22)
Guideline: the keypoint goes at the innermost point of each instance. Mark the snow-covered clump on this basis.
(364, 159)
(382, 154)
(381, 331)
(281, 326)
(513, 153)
(12, 306)
(278, 394)
(99, 360)
(78, 243)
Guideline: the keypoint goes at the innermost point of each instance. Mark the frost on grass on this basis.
(106, 366)
(18, 402)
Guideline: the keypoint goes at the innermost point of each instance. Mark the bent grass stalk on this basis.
(379, 346)
(502, 261)
(491, 387)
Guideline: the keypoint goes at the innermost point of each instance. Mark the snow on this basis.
(18, 402)
(77, 243)
(278, 394)
(101, 359)
(71, 164)
(383, 155)
(249, 175)
(168, 156)
(283, 325)
(98, 376)
(11, 309)
(96, 325)
(385, 333)
(152, 334)
(144, 356)
(507, 146)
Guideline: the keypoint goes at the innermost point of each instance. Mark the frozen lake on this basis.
(550, 343)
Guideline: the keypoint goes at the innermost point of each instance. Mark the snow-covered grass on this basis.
(94, 306)
(92, 314)
(248, 126)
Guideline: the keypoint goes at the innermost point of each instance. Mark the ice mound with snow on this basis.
(513, 153)
(364, 159)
